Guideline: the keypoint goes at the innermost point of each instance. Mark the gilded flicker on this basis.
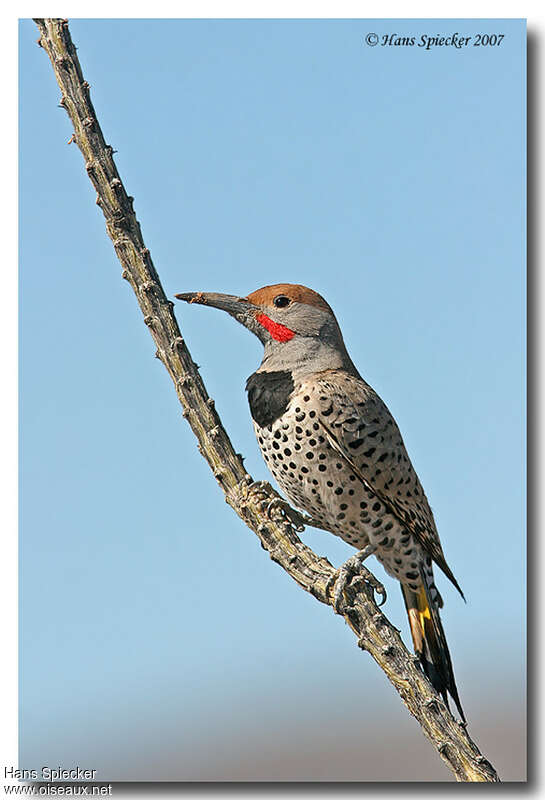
(337, 453)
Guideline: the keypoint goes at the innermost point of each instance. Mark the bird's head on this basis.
(295, 324)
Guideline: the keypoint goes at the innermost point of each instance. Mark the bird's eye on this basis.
(281, 301)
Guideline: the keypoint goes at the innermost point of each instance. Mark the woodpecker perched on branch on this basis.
(336, 451)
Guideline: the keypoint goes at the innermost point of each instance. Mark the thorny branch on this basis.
(251, 501)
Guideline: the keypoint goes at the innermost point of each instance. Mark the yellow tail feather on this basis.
(430, 643)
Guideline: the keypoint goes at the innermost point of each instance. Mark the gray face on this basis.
(317, 344)
(302, 318)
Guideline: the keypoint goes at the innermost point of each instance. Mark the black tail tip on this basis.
(439, 684)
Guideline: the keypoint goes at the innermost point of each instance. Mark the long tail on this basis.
(430, 643)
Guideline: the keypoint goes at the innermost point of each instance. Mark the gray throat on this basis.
(305, 355)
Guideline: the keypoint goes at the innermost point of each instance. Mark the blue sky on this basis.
(389, 179)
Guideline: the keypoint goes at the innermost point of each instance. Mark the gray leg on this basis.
(352, 567)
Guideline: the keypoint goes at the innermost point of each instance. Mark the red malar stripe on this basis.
(277, 331)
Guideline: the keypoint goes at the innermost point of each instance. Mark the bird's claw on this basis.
(352, 568)
(375, 584)
(287, 512)
(257, 487)
(262, 493)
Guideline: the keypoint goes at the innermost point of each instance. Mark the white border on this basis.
(8, 317)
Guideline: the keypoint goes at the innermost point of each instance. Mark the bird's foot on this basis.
(286, 513)
(257, 491)
(257, 486)
(261, 491)
(351, 568)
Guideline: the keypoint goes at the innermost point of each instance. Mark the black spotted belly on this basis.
(319, 482)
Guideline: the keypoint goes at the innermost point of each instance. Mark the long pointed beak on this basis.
(238, 307)
(225, 302)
